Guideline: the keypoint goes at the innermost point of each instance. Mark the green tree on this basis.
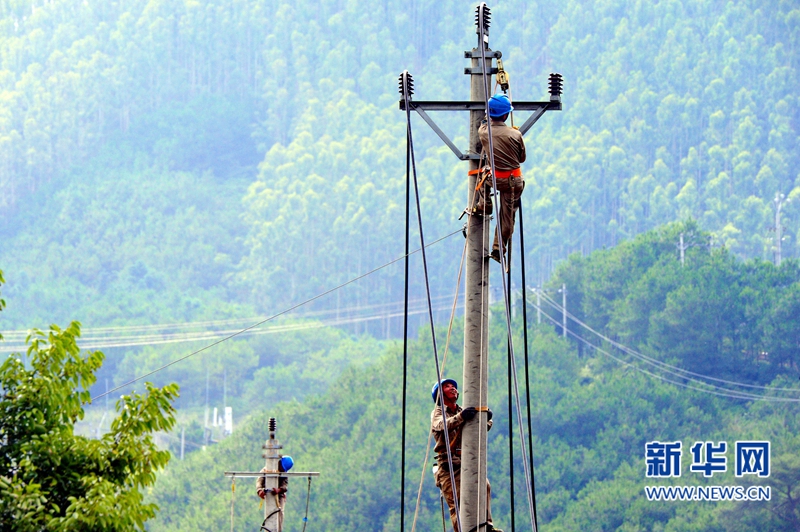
(54, 479)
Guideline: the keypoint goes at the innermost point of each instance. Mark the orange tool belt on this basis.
(500, 174)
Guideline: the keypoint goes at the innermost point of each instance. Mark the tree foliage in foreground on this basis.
(53, 479)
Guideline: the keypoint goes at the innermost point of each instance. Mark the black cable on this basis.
(281, 313)
(410, 140)
(308, 499)
(510, 419)
(525, 341)
(499, 234)
(405, 343)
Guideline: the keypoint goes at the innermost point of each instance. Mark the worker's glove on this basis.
(261, 492)
(468, 413)
(489, 414)
(278, 491)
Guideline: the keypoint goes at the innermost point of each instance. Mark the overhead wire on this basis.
(723, 392)
(270, 318)
(659, 363)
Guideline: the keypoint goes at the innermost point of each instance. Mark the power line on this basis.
(678, 371)
(281, 313)
(733, 394)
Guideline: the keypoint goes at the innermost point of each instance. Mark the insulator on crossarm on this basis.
(483, 17)
(406, 84)
(556, 85)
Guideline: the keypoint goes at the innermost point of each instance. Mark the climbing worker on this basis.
(456, 417)
(284, 464)
(509, 153)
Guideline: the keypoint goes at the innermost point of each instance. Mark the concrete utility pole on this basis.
(538, 306)
(475, 382)
(273, 513)
(779, 201)
(271, 453)
(563, 291)
(476, 312)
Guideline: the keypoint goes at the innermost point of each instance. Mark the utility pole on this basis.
(475, 382)
(273, 512)
(476, 307)
(271, 503)
(682, 248)
(563, 291)
(779, 201)
(538, 307)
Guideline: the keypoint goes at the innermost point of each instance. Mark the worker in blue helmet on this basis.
(285, 463)
(509, 154)
(456, 418)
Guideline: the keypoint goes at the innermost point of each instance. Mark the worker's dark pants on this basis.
(510, 190)
(443, 481)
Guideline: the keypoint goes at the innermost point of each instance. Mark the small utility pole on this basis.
(272, 509)
(779, 201)
(682, 248)
(538, 306)
(563, 291)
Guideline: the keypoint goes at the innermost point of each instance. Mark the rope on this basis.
(505, 290)
(510, 422)
(444, 362)
(410, 141)
(281, 313)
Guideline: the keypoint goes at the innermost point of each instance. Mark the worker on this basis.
(285, 463)
(509, 154)
(456, 417)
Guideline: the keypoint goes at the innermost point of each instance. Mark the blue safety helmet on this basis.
(286, 463)
(499, 104)
(436, 387)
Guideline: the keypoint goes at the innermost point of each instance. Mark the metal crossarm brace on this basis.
(420, 107)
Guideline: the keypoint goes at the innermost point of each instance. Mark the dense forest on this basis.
(593, 410)
(173, 172)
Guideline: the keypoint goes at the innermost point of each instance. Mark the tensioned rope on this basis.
(482, 25)
(410, 140)
(444, 358)
(270, 318)
(666, 367)
(732, 394)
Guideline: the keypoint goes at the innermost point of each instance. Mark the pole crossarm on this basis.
(538, 108)
(256, 474)
(477, 106)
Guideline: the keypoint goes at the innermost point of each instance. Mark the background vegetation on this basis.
(172, 172)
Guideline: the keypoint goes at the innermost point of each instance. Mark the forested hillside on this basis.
(592, 415)
(671, 110)
(203, 166)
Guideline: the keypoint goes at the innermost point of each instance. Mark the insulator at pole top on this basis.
(272, 427)
(483, 17)
(406, 84)
(556, 86)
